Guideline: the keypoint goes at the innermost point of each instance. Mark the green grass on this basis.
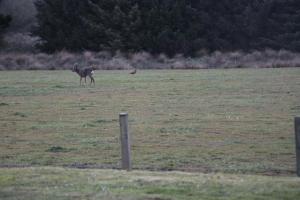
(233, 121)
(60, 183)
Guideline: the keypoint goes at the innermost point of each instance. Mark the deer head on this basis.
(75, 67)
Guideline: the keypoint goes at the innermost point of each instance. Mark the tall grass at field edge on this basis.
(142, 60)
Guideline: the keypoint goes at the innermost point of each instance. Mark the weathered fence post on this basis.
(125, 142)
(297, 139)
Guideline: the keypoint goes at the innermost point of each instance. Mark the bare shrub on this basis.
(202, 52)
(143, 60)
(88, 54)
(140, 57)
(180, 64)
(269, 53)
(216, 60)
(2, 67)
(118, 63)
(285, 55)
(162, 58)
(64, 59)
(196, 64)
(105, 55)
(19, 42)
(8, 62)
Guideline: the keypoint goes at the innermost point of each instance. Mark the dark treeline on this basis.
(4, 23)
(22, 13)
(168, 26)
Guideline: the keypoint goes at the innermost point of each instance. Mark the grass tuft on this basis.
(56, 149)
(20, 114)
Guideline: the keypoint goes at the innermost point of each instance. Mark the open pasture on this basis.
(55, 183)
(233, 121)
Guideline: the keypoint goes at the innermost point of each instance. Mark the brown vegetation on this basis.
(143, 60)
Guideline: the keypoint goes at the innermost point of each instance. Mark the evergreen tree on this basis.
(4, 23)
(282, 25)
(60, 25)
(168, 26)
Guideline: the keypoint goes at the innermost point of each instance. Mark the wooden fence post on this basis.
(125, 142)
(297, 139)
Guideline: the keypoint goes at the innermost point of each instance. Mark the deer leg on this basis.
(92, 80)
(80, 81)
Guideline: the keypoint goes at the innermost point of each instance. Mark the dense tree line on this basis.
(168, 26)
(4, 23)
(22, 12)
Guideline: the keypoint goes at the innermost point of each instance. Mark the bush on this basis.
(105, 61)
(19, 42)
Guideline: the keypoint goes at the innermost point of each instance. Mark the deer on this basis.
(84, 72)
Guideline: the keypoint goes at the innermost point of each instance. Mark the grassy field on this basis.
(232, 121)
(58, 183)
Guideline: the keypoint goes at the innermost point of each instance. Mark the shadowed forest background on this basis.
(160, 33)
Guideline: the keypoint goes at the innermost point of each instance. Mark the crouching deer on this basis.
(84, 72)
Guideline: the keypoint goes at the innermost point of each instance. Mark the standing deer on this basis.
(84, 72)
